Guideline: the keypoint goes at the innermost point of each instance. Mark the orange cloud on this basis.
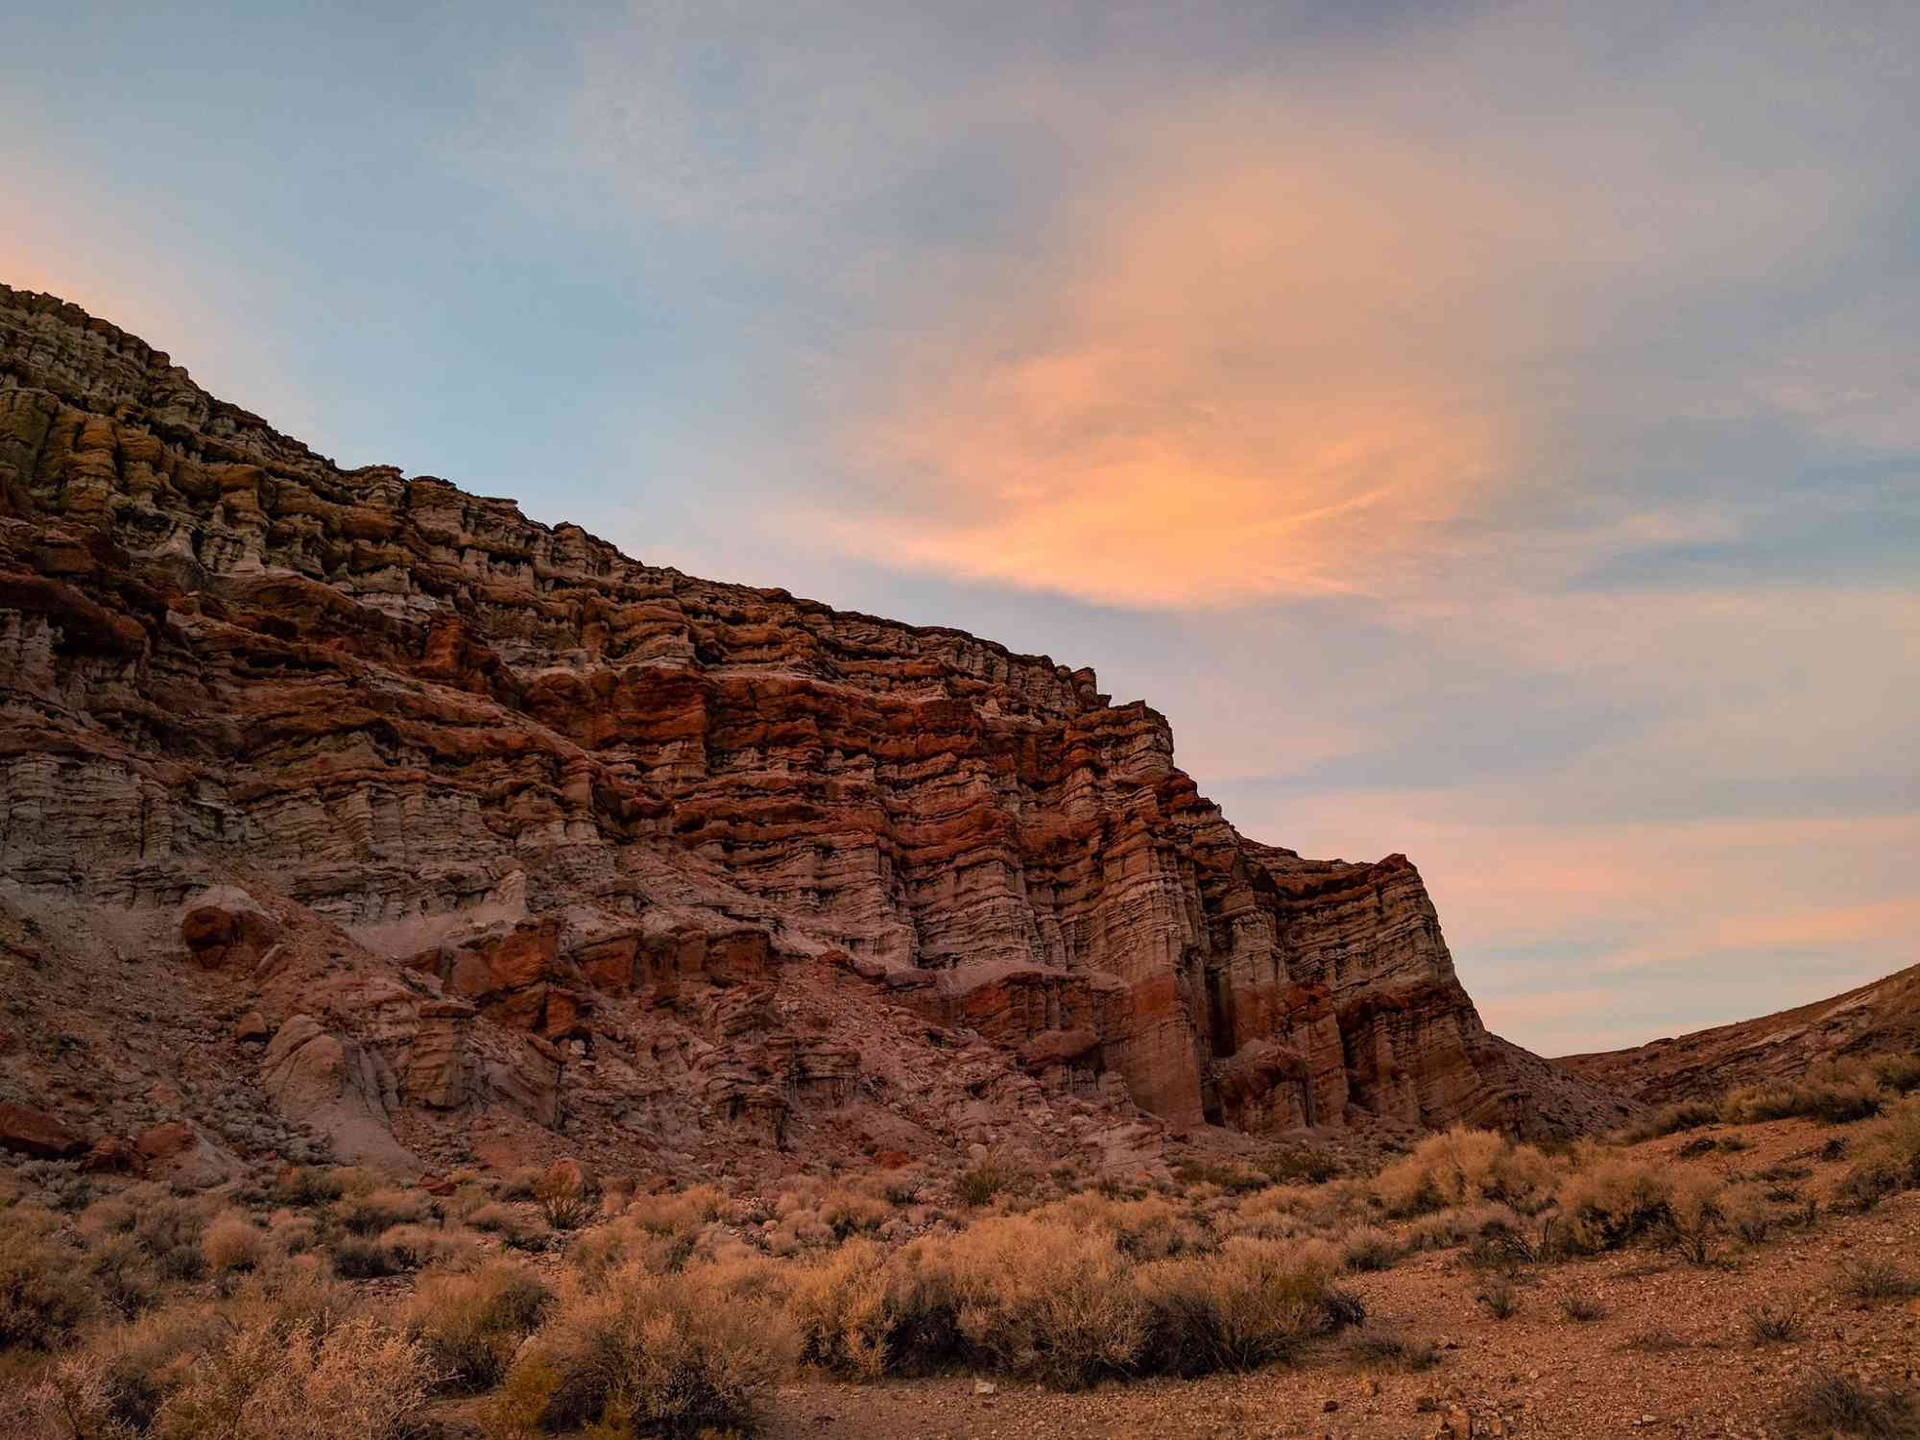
(1215, 400)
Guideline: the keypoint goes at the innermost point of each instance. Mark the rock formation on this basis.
(461, 805)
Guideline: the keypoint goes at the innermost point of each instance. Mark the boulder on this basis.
(27, 1131)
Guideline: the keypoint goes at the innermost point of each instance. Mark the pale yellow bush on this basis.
(841, 1313)
(679, 1212)
(1612, 1202)
(1023, 1295)
(469, 1325)
(361, 1382)
(1461, 1166)
(646, 1353)
(1254, 1302)
(233, 1242)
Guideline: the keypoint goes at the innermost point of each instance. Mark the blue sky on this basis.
(1488, 432)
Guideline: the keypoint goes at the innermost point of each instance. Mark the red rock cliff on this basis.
(547, 776)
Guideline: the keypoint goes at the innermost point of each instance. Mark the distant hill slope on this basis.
(1872, 1020)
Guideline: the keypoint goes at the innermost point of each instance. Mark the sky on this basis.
(1487, 432)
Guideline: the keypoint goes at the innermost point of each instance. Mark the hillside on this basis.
(453, 834)
(1875, 1019)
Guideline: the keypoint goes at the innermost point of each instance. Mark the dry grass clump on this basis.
(979, 1184)
(1613, 1202)
(1898, 1073)
(1389, 1352)
(1255, 1302)
(1869, 1278)
(1828, 1403)
(563, 1200)
(1150, 1228)
(677, 1212)
(1887, 1158)
(382, 1209)
(1775, 1324)
(1034, 1295)
(469, 1326)
(1371, 1248)
(1836, 1094)
(1582, 1309)
(1462, 1166)
(357, 1382)
(645, 1353)
(1695, 1218)
(1499, 1297)
(233, 1243)
(494, 1218)
(307, 1186)
(1670, 1120)
(414, 1247)
(44, 1295)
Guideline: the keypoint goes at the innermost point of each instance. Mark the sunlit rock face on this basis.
(558, 787)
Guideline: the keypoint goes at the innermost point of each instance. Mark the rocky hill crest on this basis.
(464, 828)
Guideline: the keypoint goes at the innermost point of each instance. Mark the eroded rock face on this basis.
(562, 789)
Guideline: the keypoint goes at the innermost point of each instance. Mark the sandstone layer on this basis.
(476, 816)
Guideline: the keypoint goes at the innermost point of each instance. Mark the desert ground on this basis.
(1714, 1271)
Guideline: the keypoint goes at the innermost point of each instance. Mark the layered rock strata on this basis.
(558, 789)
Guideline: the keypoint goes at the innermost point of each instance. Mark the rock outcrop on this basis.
(537, 792)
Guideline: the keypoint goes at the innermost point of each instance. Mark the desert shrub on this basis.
(1233, 1179)
(1695, 1218)
(1444, 1229)
(291, 1291)
(378, 1210)
(306, 1186)
(1254, 1302)
(562, 1200)
(469, 1325)
(232, 1242)
(1021, 1295)
(115, 1386)
(414, 1247)
(679, 1212)
(496, 1219)
(1499, 1297)
(645, 1353)
(1898, 1073)
(292, 1233)
(1150, 1228)
(359, 1382)
(842, 1311)
(978, 1184)
(1670, 1120)
(359, 1259)
(1370, 1248)
(43, 1291)
(1774, 1324)
(1461, 1166)
(123, 1276)
(1747, 1210)
(1834, 1095)
(1888, 1158)
(1298, 1165)
(1611, 1203)
(1869, 1278)
(1390, 1352)
(1581, 1309)
(1828, 1403)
